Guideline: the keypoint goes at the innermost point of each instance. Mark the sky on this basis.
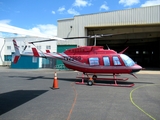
(40, 16)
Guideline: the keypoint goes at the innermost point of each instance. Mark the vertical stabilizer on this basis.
(17, 53)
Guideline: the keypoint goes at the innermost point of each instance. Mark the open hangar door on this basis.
(143, 42)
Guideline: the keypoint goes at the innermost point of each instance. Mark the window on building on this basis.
(7, 57)
(116, 60)
(39, 47)
(48, 47)
(106, 61)
(34, 59)
(137, 52)
(8, 47)
(94, 61)
(145, 52)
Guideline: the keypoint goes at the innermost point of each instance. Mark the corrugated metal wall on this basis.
(143, 15)
(136, 16)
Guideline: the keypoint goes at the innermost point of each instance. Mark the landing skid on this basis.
(91, 81)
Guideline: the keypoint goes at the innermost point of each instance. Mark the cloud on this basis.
(81, 3)
(151, 3)
(73, 11)
(53, 12)
(61, 9)
(6, 30)
(104, 6)
(4, 25)
(129, 2)
(5, 21)
(47, 29)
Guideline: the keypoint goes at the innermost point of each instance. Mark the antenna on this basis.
(24, 46)
(95, 40)
(107, 47)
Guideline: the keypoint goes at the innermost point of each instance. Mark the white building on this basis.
(2, 51)
(6, 48)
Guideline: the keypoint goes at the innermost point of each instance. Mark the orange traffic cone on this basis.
(55, 82)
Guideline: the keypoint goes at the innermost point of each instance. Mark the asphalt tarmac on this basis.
(26, 95)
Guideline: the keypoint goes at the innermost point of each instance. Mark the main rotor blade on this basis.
(90, 36)
(77, 37)
(95, 36)
(46, 40)
(108, 35)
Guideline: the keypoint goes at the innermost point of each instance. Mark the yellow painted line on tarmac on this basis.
(131, 99)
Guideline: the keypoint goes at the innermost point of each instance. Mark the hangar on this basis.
(138, 28)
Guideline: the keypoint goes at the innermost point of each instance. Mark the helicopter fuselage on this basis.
(94, 59)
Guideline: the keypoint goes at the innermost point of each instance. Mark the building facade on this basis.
(7, 49)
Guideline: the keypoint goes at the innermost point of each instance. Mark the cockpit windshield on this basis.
(127, 60)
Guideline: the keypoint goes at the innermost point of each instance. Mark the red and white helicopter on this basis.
(89, 60)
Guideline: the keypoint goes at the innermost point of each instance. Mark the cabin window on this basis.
(106, 61)
(94, 61)
(116, 60)
(127, 60)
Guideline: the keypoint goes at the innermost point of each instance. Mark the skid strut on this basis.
(91, 82)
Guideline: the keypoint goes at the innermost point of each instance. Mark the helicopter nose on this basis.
(136, 68)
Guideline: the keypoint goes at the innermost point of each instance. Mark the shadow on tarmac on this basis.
(11, 100)
(104, 81)
(30, 78)
(79, 80)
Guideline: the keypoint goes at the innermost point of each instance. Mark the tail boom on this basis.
(48, 54)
